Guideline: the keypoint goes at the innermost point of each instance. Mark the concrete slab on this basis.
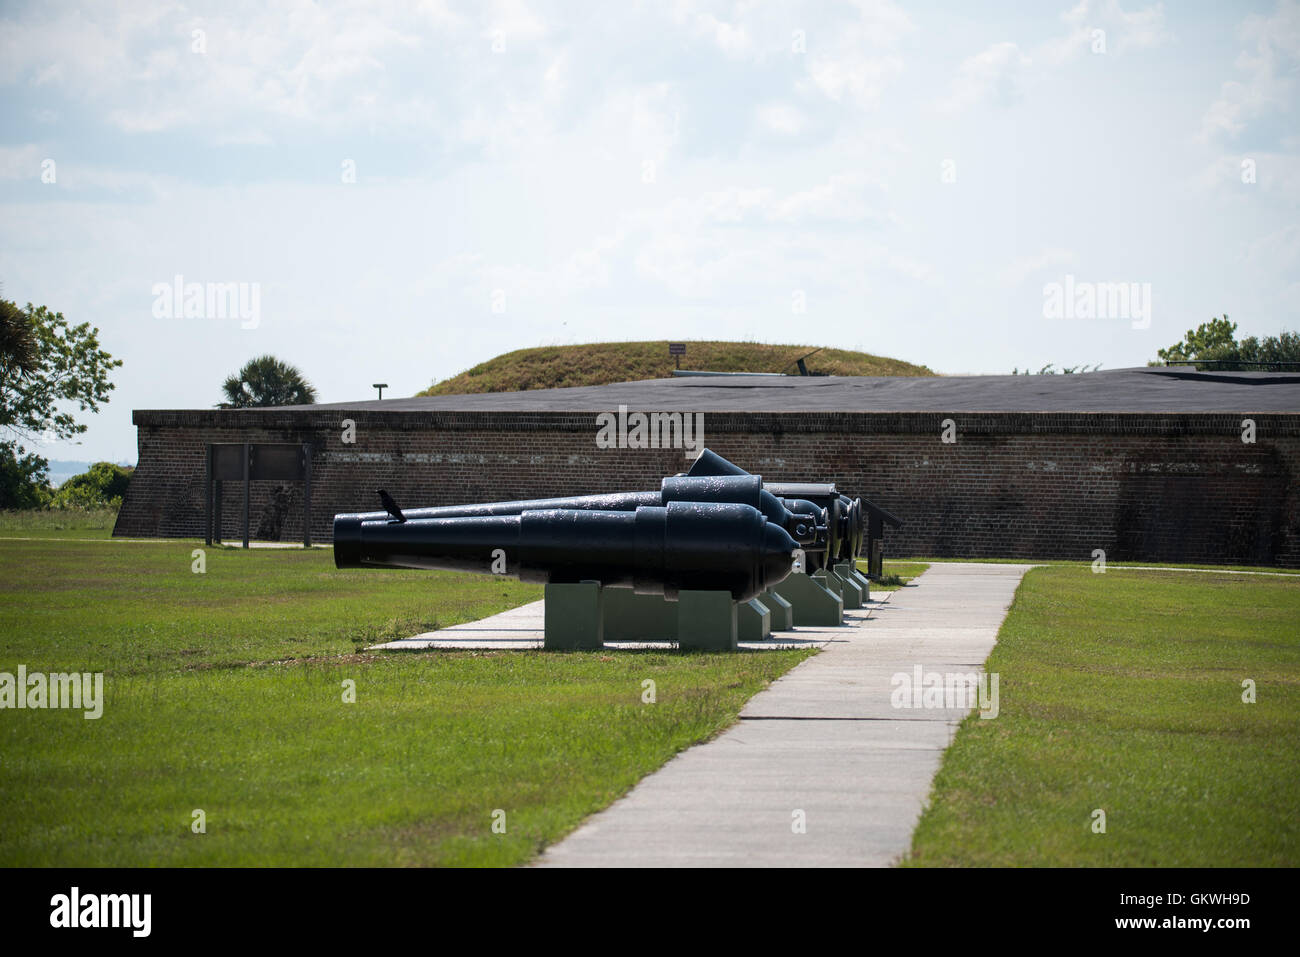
(520, 629)
(823, 769)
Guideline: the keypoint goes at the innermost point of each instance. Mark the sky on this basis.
(403, 190)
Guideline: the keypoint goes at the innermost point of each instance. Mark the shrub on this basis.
(102, 486)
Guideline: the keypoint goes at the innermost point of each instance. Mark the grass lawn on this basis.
(58, 523)
(1123, 692)
(224, 692)
(894, 574)
(1114, 563)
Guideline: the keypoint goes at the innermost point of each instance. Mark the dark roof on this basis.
(1154, 389)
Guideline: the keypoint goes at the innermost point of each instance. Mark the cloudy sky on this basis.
(412, 188)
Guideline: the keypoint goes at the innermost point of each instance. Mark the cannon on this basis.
(839, 534)
(842, 517)
(742, 489)
(653, 549)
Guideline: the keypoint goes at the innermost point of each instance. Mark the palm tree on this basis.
(19, 350)
(266, 381)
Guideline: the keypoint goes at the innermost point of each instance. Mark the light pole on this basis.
(381, 386)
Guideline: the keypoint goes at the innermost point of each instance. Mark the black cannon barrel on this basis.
(709, 462)
(707, 546)
(838, 534)
(846, 519)
(739, 489)
(812, 491)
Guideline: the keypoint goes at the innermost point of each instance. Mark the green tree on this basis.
(19, 353)
(266, 381)
(45, 364)
(24, 478)
(1210, 340)
(101, 486)
(1214, 342)
(1280, 348)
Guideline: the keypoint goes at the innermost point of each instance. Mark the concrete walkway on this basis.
(823, 745)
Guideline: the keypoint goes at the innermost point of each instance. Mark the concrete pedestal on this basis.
(862, 580)
(850, 591)
(812, 604)
(829, 581)
(753, 620)
(782, 612)
(706, 621)
(572, 617)
(632, 617)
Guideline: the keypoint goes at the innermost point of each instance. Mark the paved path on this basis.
(823, 740)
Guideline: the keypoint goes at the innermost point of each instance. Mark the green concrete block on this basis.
(812, 604)
(826, 579)
(864, 581)
(782, 612)
(851, 591)
(573, 620)
(753, 620)
(706, 621)
(632, 617)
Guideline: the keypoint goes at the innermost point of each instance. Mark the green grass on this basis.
(224, 692)
(598, 363)
(1115, 563)
(58, 523)
(1123, 692)
(896, 575)
(129, 606)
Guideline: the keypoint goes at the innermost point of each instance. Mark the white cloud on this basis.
(781, 118)
(993, 74)
(731, 39)
(846, 198)
(857, 62)
(21, 162)
(1140, 30)
(1267, 66)
(858, 80)
(1120, 31)
(1020, 270)
(327, 67)
(1278, 252)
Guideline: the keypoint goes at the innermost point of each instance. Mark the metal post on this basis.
(875, 546)
(248, 454)
(207, 497)
(306, 495)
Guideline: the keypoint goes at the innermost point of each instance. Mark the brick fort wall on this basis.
(1141, 486)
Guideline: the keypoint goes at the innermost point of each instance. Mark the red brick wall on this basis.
(1157, 487)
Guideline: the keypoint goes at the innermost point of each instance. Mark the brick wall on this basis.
(1153, 487)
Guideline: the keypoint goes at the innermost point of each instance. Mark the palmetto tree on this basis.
(19, 350)
(266, 381)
